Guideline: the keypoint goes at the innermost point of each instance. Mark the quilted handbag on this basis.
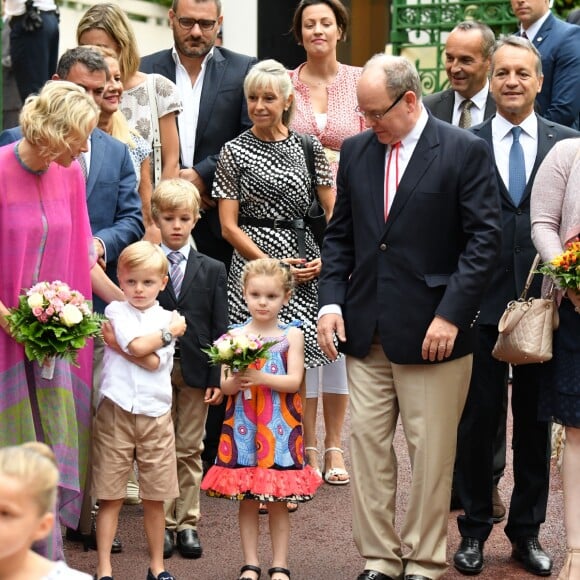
(526, 327)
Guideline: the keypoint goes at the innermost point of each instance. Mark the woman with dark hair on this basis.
(325, 107)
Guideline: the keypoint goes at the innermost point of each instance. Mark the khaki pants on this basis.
(189, 413)
(429, 400)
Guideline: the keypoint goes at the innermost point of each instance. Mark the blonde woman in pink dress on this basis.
(325, 93)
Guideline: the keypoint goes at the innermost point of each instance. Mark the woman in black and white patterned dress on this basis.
(262, 176)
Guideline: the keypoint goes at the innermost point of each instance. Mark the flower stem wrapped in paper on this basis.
(53, 321)
(238, 352)
(565, 268)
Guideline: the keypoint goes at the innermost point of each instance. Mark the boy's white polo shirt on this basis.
(135, 389)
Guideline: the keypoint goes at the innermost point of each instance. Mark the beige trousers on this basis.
(189, 413)
(429, 399)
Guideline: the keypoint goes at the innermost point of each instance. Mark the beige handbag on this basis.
(526, 327)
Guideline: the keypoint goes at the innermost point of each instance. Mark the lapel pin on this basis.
(540, 39)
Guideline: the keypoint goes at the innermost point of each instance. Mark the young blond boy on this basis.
(197, 290)
(133, 418)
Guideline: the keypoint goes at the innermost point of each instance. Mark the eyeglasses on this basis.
(189, 23)
(378, 116)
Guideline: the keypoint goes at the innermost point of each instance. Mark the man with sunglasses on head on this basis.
(210, 82)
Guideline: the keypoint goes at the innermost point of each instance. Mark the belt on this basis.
(298, 225)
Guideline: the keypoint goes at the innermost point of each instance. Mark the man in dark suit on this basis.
(412, 240)
(467, 61)
(515, 81)
(210, 81)
(197, 289)
(559, 44)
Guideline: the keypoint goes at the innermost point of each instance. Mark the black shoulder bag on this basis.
(315, 218)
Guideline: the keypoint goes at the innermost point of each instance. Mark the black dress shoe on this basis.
(416, 577)
(530, 553)
(188, 543)
(168, 544)
(469, 556)
(373, 575)
(89, 541)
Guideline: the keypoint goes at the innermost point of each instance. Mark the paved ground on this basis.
(321, 545)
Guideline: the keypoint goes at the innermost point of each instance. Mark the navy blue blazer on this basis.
(203, 300)
(559, 44)
(223, 115)
(517, 252)
(434, 254)
(441, 105)
(113, 201)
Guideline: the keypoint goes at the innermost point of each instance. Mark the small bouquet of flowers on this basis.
(238, 352)
(565, 268)
(51, 321)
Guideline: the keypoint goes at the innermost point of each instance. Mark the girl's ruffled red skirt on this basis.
(261, 484)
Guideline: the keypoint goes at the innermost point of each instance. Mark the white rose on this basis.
(71, 315)
(241, 341)
(225, 350)
(35, 300)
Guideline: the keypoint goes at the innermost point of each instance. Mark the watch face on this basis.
(166, 337)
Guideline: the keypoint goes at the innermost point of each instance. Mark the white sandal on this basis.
(335, 471)
(316, 469)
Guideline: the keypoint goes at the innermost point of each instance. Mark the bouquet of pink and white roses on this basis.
(51, 321)
(238, 351)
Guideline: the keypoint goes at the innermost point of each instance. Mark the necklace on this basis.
(23, 164)
(314, 81)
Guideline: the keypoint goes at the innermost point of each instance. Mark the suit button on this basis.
(383, 247)
(519, 211)
(517, 249)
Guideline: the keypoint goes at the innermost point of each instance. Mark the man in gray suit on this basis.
(467, 61)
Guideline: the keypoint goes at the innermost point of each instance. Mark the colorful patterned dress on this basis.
(45, 235)
(260, 453)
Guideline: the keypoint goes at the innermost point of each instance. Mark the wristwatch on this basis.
(166, 336)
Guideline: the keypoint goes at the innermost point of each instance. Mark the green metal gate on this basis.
(420, 27)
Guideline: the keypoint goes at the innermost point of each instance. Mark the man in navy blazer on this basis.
(210, 81)
(559, 44)
(413, 238)
(467, 61)
(515, 81)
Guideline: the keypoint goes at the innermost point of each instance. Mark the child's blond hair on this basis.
(143, 255)
(34, 465)
(268, 267)
(175, 193)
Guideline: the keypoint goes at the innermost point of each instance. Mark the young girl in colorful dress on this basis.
(260, 455)
(28, 487)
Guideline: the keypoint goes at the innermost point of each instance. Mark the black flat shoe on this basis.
(278, 570)
(469, 556)
(102, 577)
(165, 575)
(168, 544)
(188, 543)
(530, 553)
(249, 568)
(89, 541)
